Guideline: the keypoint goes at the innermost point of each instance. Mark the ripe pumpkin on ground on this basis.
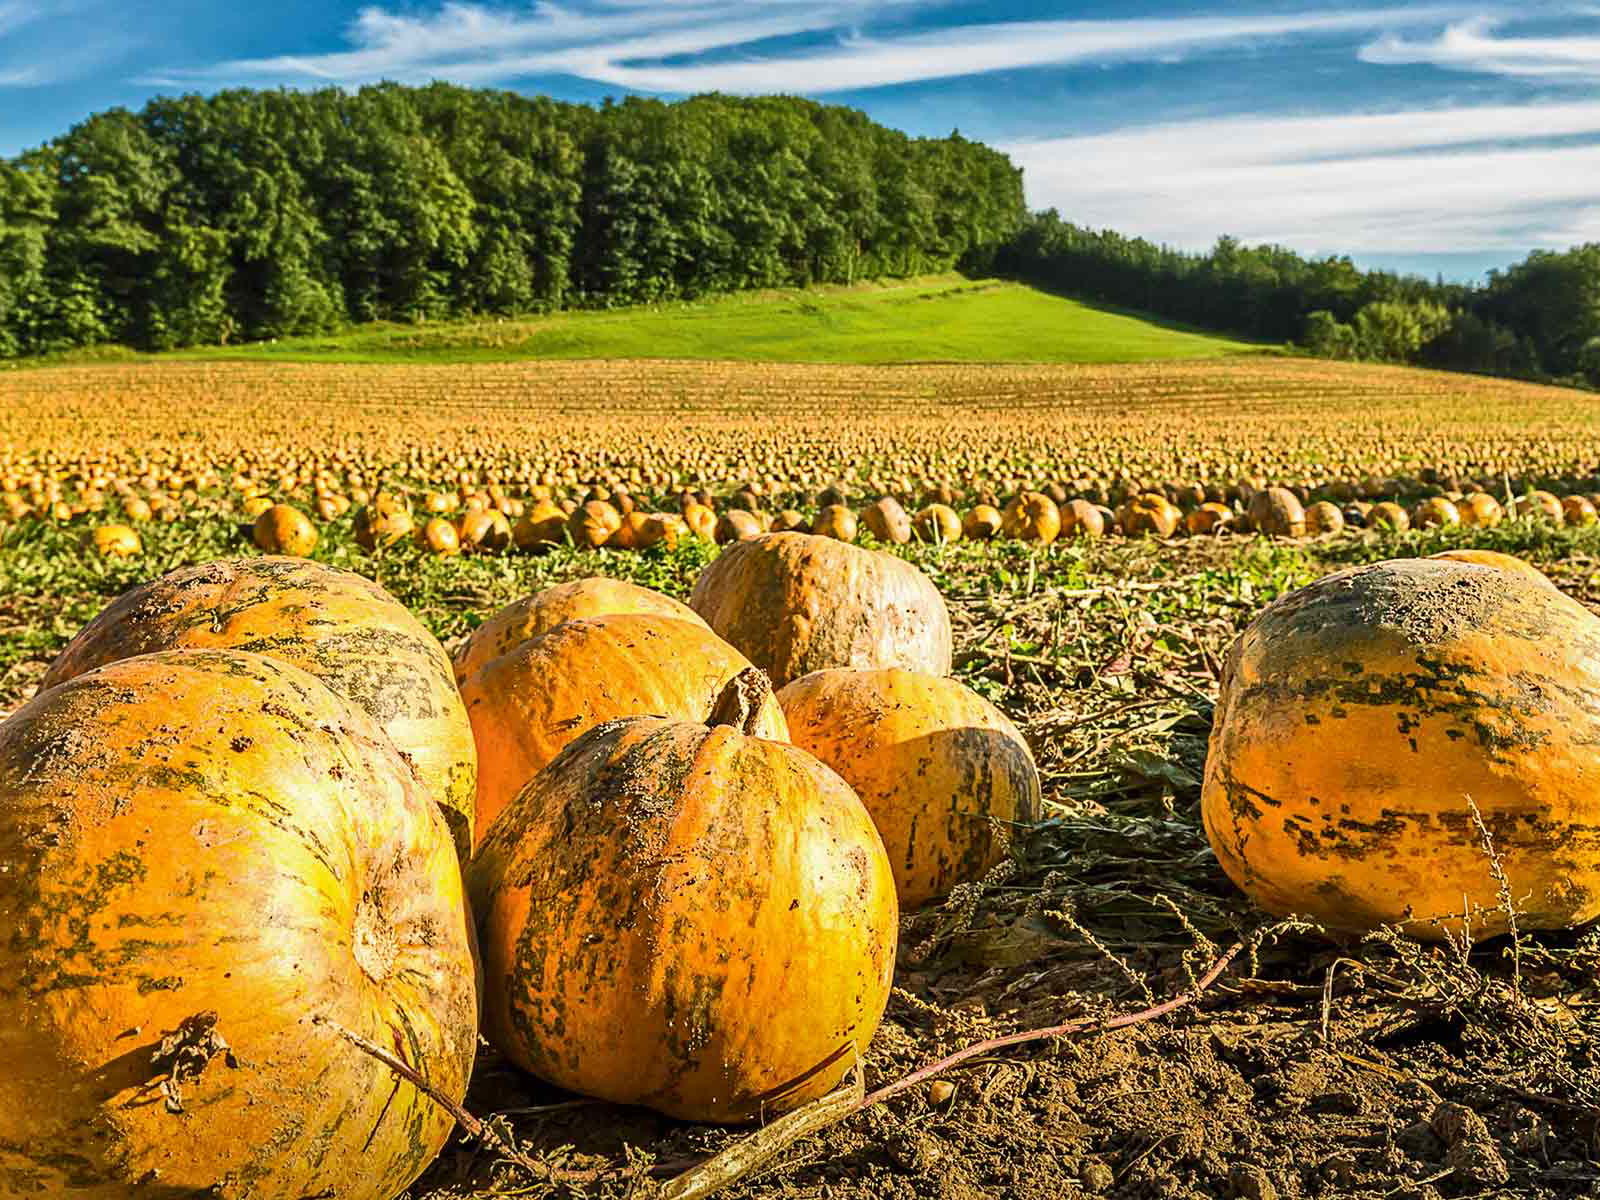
(686, 916)
(942, 771)
(1079, 518)
(116, 541)
(210, 865)
(794, 603)
(341, 627)
(1435, 512)
(1361, 718)
(836, 521)
(541, 612)
(284, 529)
(1032, 517)
(887, 521)
(1277, 512)
(1209, 518)
(982, 523)
(528, 704)
(1150, 515)
(1480, 510)
(938, 524)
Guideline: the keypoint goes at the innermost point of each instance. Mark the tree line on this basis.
(1538, 319)
(250, 215)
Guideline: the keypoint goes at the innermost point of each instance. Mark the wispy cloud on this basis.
(1476, 45)
(855, 44)
(1484, 178)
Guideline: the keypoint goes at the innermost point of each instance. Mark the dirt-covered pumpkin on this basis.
(1363, 719)
(541, 612)
(341, 627)
(794, 603)
(210, 867)
(686, 916)
(1493, 558)
(527, 704)
(946, 777)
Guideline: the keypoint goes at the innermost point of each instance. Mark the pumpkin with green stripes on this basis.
(687, 916)
(218, 878)
(341, 627)
(1412, 743)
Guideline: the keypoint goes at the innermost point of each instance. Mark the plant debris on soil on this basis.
(1311, 1067)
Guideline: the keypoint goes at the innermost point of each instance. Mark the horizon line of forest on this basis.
(257, 214)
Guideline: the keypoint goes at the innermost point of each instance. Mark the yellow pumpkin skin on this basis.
(696, 920)
(341, 627)
(214, 832)
(936, 765)
(284, 529)
(541, 612)
(794, 603)
(1357, 716)
(982, 523)
(526, 705)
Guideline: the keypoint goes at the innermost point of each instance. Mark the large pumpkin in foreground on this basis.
(209, 866)
(944, 774)
(541, 612)
(1362, 718)
(527, 705)
(794, 603)
(341, 627)
(687, 917)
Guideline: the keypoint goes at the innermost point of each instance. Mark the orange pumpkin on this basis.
(440, 537)
(116, 541)
(1079, 518)
(691, 918)
(1031, 517)
(836, 521)
(210, 865)
(942, 771)
(592, 524)
(527, 704)
(1324, 517)
(1209, 518)
(542, 524)
(541, 612)
(794, 603)
(1151, 515)
(1480, 511)
(738, 525)
(485, 529)
(284, 529)
(1435, 512)
(982, 523)
(1361, 719)
(887, 521)
(377, 527)
(939, 524)
(1389, 515)
(342, 628)
(1277, 512)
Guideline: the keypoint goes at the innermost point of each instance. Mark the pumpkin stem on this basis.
(742, 700)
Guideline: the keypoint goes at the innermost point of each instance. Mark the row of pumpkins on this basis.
(256, 823)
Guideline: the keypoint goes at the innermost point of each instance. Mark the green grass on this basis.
(935, 319)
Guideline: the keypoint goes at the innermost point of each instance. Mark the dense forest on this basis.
(1539, 319)
(257, 214)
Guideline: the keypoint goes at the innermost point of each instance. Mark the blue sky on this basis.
(1439, 137)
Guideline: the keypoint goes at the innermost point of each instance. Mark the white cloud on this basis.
(1463, 179)
(1475, 45)
(630, 43)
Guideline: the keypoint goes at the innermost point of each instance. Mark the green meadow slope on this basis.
(935, 319)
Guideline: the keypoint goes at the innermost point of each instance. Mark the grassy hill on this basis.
(935, 319)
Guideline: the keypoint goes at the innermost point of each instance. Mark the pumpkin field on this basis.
(669, 778)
